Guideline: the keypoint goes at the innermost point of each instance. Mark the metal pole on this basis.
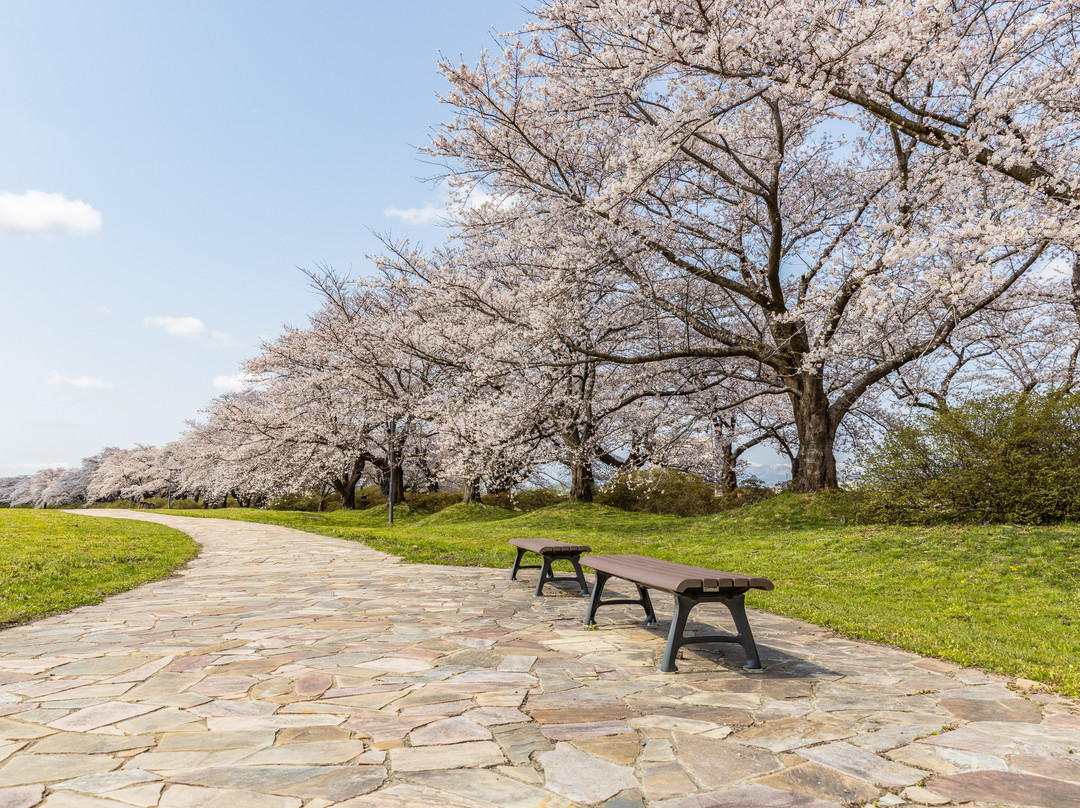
(391, 430)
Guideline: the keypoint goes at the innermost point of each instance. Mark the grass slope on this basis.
(52, 562)
(999, 597)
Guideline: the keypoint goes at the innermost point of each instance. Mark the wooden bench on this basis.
(690, 586)
(550, 551)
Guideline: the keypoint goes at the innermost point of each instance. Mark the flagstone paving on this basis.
(281, 669)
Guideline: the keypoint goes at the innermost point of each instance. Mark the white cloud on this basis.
(41, 212)
(429, 214)
(187, 327)
(232, 384)
(82, 382)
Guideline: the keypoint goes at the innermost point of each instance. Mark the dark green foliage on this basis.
(1003, 458)
(674, 492)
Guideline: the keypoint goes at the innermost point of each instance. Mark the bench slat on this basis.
(542, 546)
(672, 576)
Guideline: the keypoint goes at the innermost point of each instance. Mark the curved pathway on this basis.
(282, 669)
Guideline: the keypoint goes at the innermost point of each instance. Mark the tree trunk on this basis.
(814, 467)
(582, 482)
(472, 492)
(399, 484)
(729, 479)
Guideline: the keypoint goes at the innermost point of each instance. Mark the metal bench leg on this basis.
(545, 573)
(594, 601)
(646, 603)
(683, 605)
(517, 563)
(737, 608)
(580, 575)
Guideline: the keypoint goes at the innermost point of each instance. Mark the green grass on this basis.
(999, 597)
(51, 562)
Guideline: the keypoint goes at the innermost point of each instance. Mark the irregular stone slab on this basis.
(716, 763)
(101, 715)
(188, 741)
(181, 796)
(471, 755)
(824, 782)
(410, 795)
(972, 740)
(496, 716)
(751, 796)
(90, 743)
(487, 787)
(337, 783)
(448, 731)
(583, 778)
(322, 753)
(285, 780)
(38, 769)
(521, 742)
(792, 733)
(594, 729)
(661, 780)
(109, 781)
(146, 796)
(1055, 768)
(21, 796)
(1011, 788)
(859, 763)
(993, 710)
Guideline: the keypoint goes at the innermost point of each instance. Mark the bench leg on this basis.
(646, 603)
(580, 575)
(737, 607)
(545, 574)
(675, 633)
(517, 563)
(594, 601)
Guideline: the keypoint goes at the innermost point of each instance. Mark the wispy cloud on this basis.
(429, 214)
(82, 382)
(38, 212)
(187, 328)
(232, 384)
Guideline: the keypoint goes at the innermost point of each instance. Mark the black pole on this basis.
(392, 425)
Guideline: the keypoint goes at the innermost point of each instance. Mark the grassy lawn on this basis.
(999, 597)
(51, 562)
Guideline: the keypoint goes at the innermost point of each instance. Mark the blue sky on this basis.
(214, 147)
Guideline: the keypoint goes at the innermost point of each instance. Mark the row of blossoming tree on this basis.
(680, 230)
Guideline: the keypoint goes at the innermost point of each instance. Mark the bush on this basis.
(1002, 458)
(674, 492)
(525, 499)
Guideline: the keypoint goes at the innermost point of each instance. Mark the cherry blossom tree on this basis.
(761, 219)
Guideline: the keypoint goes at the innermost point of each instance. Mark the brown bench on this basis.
(550, 551)
(690, 586)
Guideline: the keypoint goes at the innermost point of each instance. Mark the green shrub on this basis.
(525, 499)
(1001, 458)
(674, 492)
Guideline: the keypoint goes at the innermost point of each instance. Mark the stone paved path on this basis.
(282, 669)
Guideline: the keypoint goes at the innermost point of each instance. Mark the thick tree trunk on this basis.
(346, 484)
(472, 492)
(814, 467)
(582, 482)
(729, 479)
(399, 484)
